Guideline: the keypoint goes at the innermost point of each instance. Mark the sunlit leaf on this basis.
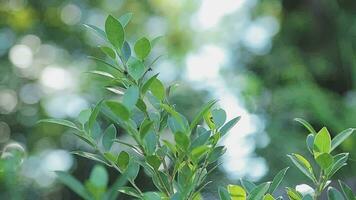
(118, 109)
(114, 32)
(142, 48)
(236, 192)
(123, 160)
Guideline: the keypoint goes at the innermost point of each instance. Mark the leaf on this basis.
(156, 40)
(150, 142)
(142, 48)
(322, 142)
(324, 160)
(129, 191)
(236, 192)
(346, 190)
(293, 194)
(216, 153)
(303, 165)
(136, 69)
(99, 176)
(91, 156)
(153, 161)
(341, 137)
(109, 137)
(97, 30)
(224, 194)
(339, 162)
(118, 109)
(151, 196)
(182, 140)
(219, 117)
(132, 170)
(227, 127)
(125, 18)
(94, 115)
(277, 180)
(334, 194)
(201, 113)
(145, 127)
(201, 139)
(102, 73)
(114, 32)
(123, 160)
(268, 197)
(157, 89)
(199, 151)
(259, 191)
(73, 184)
(249, 186)
(307, 197)
(126, 51)
(108, 51)
(306, 125)
(148, 83)
(61, 122)
(112, 66)
(310, 142)
(180, 119)
(84, 115)
(131, 96)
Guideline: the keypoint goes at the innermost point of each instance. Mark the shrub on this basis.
(177, 167)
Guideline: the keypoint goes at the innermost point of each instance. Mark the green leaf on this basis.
(109, 137)
(142, 48)
(73, 184)
(136, 69)
(248, 185)
(150, 142)
(236, 192)
(346, 190)
(199, 151)
(157, 89)
(303, 165)
(228, 126)
(341, 137)
(91, 156)
(97, 30)
(99, 176)
(219, 117)
(259, 191)
(131, 96)
(182, 140)
(324, 160)
(216, 153)
(114, 32)
(108, 51)
(126, 51)
(118, 109)
(123, 160)
(306, 125)
(268, 197)
(310, 142)
(178, 117)
(334, 194)
(129, 191)
(156, 40)
(132, 169)
(112, 66)
(153, 161)
(339, 162)
(201, 139)
(277, 180)
(145, 127)
(307, 197)
(293, 194)
(148, 83)
(94, 115)
(322, 142)
(61, 122)
(151, 196)
(201, 113)
(125, 18)
(84, 115)
(224, 194)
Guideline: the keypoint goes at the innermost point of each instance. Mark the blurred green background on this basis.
(266, 60)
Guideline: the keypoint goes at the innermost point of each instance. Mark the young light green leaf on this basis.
(201, 113)
(228, 126)
(259, 191)
(97, 30)
(61, 122)
(268, 197)
(118, 109)
(306, 125)
(182, 140)
(324, 160)
(136, 69)
(341, 137)
(142, 48)
(145, 127)
(130, 97)
(236, 192)
(157, 89)
(84, 115)
(99, 176)
(73, 184)
(293, 194)
(303, 165)
(334, 194)
(151, 196)
(277, 180)
(123, 160)
(109, 137)
(153, 161)
(322, 142)
(108, 51)
(114, 32)
(125, 18)
(148, 83)
(346, 190)
(198, 152)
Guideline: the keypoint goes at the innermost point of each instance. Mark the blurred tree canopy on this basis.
(309, 72)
